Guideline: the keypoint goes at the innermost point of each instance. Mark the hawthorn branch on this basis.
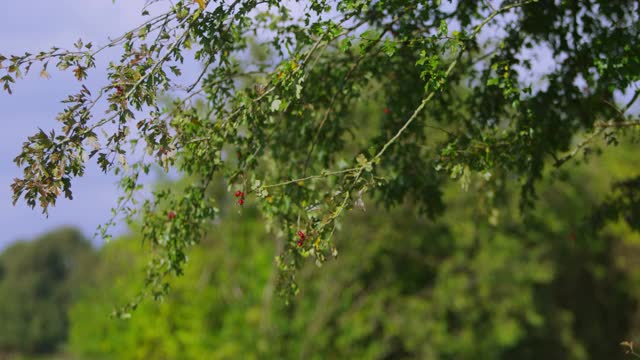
(327, 112)
(358, 170)
(160, 61)
(305, 62)
(431, 94)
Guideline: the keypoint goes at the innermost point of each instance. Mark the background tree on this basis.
(38, 282)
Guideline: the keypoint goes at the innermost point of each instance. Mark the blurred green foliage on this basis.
(478, 283)
(38, 282)
(481, 282)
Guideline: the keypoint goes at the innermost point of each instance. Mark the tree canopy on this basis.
(283, 111)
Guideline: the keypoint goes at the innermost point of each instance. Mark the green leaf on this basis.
(493, 81)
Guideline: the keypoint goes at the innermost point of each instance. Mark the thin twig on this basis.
(324, 175)
(618, 124)
(579, 147)
(204, 71)
(488, 3)
(633, 100)
(600, 128)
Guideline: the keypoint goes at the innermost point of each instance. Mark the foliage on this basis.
(454, 79)
(38, 282)
(213, 311)
(472, 284)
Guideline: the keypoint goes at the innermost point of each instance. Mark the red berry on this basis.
(172, 215)
(239, 193)
(299, 243)
(386, 110)
(301, 235)
(241, 202)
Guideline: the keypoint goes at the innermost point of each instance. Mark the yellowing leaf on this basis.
(45, 74)
(201, 3)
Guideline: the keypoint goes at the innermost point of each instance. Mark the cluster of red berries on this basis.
(301, 237)
(239, 194)
(171, 215)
